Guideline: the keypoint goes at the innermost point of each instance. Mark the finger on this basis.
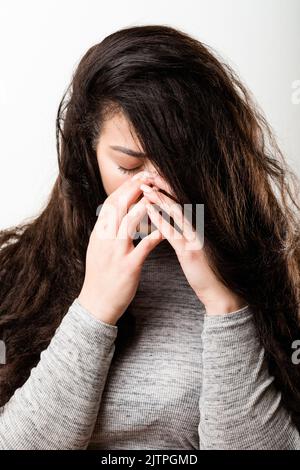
(164, 202)
(146, 245)
(130, 221)
(174, 237)
(118, 203)
(161, 183)
(172, 208)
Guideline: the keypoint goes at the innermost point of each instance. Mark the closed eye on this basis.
(129, 171)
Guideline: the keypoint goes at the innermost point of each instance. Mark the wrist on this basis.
(225, 308)
(220, 304)
(97, 309)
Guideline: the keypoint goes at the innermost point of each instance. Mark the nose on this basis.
(149, 167)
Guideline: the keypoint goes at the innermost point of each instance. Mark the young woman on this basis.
(117, 342)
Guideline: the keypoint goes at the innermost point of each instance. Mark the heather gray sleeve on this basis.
(57, 406)
(240, 407)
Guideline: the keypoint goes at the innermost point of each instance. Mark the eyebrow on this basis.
(127, 151)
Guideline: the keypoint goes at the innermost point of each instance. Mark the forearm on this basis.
(57, 406)
(240, 407)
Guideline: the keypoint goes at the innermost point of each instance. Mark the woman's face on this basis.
(119, 154)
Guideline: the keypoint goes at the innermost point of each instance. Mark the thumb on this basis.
(147, 244)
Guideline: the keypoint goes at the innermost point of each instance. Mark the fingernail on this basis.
(137, 176)
(146, 188)
(144, 174)
(136, 210)
(147, 177)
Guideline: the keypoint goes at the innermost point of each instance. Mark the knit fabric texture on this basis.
(187, 380)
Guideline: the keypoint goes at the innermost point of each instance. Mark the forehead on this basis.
(117, 130)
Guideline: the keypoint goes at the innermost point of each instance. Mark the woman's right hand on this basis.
(113, 263)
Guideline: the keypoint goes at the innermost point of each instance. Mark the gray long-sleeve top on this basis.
(187, 381)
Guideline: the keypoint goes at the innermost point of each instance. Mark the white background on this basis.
(41, 43)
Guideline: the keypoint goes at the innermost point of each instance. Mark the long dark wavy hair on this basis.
(203, 131)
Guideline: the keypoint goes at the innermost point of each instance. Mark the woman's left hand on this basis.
(215, 296)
